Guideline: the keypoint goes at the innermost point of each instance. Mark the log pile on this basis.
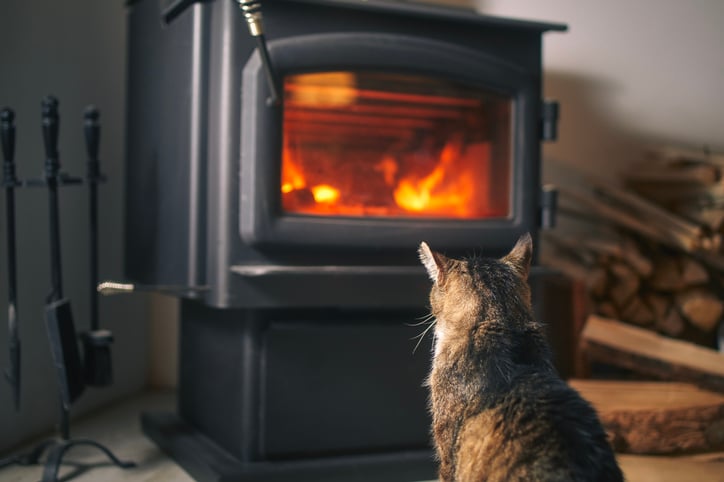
(651, 261)
(654, 257)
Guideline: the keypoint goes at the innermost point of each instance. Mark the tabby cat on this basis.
(500, 411)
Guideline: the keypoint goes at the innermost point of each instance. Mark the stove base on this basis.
(205, 461)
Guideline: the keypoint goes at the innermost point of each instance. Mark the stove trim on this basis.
(260, 223)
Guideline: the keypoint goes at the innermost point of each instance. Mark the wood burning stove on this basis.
(398, 123)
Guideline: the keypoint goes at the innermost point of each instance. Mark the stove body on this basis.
(301, 220)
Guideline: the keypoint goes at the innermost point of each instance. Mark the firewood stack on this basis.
(651, 260)
(654, 257)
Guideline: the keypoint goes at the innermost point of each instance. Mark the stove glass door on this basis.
(365, 143)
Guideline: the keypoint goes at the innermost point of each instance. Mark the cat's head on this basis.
(471, 292)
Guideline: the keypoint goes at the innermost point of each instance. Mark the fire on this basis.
(442, 191)
(393, 145)
(448, 189)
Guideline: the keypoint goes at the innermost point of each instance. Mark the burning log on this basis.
(656, 417)
(647, 353)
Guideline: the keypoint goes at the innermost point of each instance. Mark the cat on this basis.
(500, 411)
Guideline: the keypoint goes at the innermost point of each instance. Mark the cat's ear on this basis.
(435, 263)
(521, 254)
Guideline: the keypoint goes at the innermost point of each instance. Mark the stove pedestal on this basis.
(206, 461)
(314, 394)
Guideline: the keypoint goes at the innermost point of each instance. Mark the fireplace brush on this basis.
(10, 182)
(96, 342)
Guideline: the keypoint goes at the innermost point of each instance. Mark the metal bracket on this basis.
(548, 206)
(549, 120)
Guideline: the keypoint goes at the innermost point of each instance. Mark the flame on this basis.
(452, 188)
(446, 190)
(292, 175)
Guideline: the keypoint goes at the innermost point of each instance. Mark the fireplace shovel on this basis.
(58, 315)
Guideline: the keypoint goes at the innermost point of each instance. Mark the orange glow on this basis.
(354, 150)
(325, 194)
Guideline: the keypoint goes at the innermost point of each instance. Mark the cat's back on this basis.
(540, 430)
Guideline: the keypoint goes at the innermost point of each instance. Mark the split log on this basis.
(652, 172)
(656, 417)
(686, 154)
(625, 286)
(638, 312)
(659, 468)
(643, 351)
(674, 273)
(667, 221)
(622, 219)
(633, 256)
(659, 304)
(671, 324)
(701, 308)
(666, 275)
(607, 309)
(693, 272)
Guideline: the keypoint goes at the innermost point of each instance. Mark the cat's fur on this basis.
(500, 411)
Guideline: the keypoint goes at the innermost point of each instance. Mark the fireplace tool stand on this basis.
(59, 320)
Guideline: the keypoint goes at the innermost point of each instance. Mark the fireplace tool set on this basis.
(73, 372)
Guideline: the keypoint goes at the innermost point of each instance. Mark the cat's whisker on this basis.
(423, 321)
(422, 336)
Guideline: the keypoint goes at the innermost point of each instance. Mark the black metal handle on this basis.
(7, 135)
(252, 14)
(51, 127)
(92, 130)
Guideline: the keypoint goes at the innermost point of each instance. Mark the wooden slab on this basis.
(639, 468)
(646, 352)
(657, 417)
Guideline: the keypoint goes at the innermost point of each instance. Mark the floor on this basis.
(118, 427)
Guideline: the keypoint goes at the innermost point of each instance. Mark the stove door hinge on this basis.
(548, 206)
(549, 120)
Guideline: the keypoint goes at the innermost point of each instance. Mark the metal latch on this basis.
(548, 206)
(549, 120)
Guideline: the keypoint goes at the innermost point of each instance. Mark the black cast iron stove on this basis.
(293, 228)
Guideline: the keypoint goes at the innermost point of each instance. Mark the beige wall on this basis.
(628, 74)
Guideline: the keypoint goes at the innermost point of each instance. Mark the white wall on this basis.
(628, 74)
(74, 50)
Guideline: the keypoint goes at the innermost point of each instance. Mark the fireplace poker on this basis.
(97, 359)
(252, 14)
(10, 182)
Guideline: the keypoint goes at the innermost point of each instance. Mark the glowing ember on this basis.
(325, 194)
